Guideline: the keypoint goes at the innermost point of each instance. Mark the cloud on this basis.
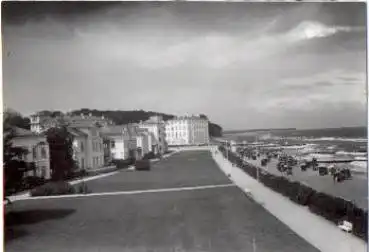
(156, 58)
(307, 30)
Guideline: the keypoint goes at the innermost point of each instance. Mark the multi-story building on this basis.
(37, 151)
(88, 145)
(187, 130)
(156, 126)
(117, 140)
(126, 141)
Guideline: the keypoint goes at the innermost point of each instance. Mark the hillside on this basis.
(134, 116)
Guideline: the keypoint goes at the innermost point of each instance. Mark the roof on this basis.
(83, 124)
(76, 132)
(112, 130)
(188, 118)
(19, 132)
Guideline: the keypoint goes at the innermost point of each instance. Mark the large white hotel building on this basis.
(187, 130)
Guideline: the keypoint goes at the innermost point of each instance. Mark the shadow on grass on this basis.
(28, 217)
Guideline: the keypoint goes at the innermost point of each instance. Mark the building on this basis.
(126, 141)
(82, 118)
(156, 126)
(187, 130)
(116, 142)
(41, 122)
(38, 151)
(88, 144)
(143, 142)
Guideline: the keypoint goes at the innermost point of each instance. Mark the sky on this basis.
(244, 65)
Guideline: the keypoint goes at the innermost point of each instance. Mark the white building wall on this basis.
(158, 131)
(120, 148)
(187, 131)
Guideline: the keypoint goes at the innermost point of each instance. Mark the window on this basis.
(34, 152)
(43, 152)
(82, 147)
(113, 144)
(82, 163)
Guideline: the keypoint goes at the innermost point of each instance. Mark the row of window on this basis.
(96, 161)
(97, 146)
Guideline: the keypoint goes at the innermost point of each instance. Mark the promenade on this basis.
(319, 232)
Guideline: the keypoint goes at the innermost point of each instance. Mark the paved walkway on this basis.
(319, 232)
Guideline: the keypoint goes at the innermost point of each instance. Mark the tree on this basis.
(60, 142)
(14, 119)
(14, 167)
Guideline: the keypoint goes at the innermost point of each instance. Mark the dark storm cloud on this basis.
(232, 61)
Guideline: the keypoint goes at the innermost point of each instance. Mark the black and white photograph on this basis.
(177, 126)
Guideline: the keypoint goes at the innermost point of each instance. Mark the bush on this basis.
(123, 163)
(149, 155)
(83, 189)
(31, 182)
(53, 188)
(142, 165)
(77, 174)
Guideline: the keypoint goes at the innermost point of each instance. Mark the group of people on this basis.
(286, 163)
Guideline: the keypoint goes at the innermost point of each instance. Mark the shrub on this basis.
(53, 188)
(83, 189)
(123, 163)
(142, 165)
(77, 174)
(149, 155)
(31, 182)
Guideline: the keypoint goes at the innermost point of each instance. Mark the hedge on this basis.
(142, 165)
(53, 188)
(330, 207)
(123, 163)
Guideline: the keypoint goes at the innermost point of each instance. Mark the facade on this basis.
(88, 145)
(156, 126)
(117, 141)
(143, 146)
(38, 151)
(187, 130)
